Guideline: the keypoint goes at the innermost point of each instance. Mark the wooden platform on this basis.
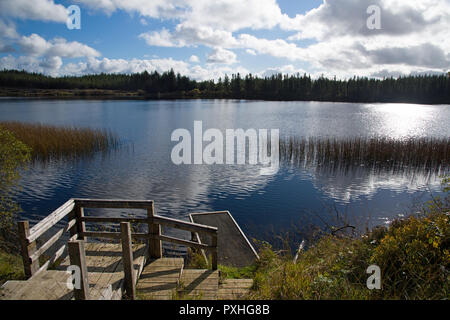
(160, 279)
(234, 249)
(105, 275)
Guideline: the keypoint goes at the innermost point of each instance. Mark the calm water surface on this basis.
(142, 167)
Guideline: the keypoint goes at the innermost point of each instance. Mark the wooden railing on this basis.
(76, 226)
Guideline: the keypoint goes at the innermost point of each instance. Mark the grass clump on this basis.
(48, 141)
(11, 267)
(227, 272)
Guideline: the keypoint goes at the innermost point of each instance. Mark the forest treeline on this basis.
(432, 89)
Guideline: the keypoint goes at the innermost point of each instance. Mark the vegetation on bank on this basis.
(48, 141)
(431, 89)
(413, 255)
(14, 155)
(11, 267)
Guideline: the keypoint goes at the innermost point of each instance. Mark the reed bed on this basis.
(50, 142)
(372, 152)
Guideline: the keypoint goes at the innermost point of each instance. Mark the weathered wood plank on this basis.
(114, 203)
(184, 225)
(181, 242)
(52, 240)
(78, 258)
(154, 244)
(160, 278)
(58, 254)
(112, 235)
(127, 254)
(28, 249)
(81, 227)
(113, 219)
(45, 224)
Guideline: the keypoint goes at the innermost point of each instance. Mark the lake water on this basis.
(263, 205)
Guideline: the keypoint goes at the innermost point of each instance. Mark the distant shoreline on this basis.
(107, 94)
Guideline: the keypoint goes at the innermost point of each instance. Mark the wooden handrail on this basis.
(45, 224)
(117, 235)
(113, 204)
(174, 223)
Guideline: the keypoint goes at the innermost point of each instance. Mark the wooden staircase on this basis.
(111, 269)
(167, 279)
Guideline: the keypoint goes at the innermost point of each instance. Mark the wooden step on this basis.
(199, 284)
(159, 279)
(234, 289)
(106, 277)
(51, 285)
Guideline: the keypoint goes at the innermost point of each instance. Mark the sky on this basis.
(206, 39)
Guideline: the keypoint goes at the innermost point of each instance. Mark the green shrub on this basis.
(11, 267)
(413, 255)
(414, 258)
(13, 155)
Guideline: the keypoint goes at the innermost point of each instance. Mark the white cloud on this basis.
(286, 69)
(44, 10)
(55, 67)
(35, 45)
(152, 9)
(194, 59)
(184, 36)
(161, 38)
(229, 15)
(413, 39)
(8, 30)
(220, 55)
(51, 63)
(344, 45)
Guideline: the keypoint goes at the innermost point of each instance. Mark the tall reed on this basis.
(48, 142)
(373, 152)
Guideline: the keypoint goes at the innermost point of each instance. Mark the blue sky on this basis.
(206, 39)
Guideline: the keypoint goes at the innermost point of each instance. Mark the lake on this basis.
(263, 205)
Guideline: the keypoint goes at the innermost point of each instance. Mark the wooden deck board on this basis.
(159, 279)
(234, 289)
(199, 284)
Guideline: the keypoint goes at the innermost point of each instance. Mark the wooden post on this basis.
(214, 251)
(81, 227)
(154, 245)
(77, 257)
(74, 230)
(30, 267)
(128, 264)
